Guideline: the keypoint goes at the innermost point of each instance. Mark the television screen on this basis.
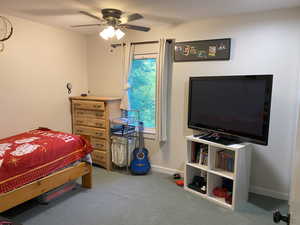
(236, 105)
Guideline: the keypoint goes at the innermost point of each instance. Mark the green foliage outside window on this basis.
(142, 91)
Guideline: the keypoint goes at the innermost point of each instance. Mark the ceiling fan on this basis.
(113, 19)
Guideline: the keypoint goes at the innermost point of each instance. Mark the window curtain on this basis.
(165, 66)
(127, 56)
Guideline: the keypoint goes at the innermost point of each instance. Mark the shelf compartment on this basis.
(195, 154)
(190, 172)
(215, 181)
(222, 162)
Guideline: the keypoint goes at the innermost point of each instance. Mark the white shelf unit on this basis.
(240, 175)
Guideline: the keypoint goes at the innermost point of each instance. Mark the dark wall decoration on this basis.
(217, 49)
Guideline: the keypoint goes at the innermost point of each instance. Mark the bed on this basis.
(37, 161)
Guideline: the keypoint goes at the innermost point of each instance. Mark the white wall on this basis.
(34, 68)
(104, 68)
(262, 43)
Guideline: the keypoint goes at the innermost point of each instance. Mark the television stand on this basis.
(220, 166)
(220, 139)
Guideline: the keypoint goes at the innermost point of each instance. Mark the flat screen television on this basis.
(238, 106)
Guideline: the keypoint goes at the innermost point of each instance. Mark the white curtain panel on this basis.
(165, 66)
(127, 56)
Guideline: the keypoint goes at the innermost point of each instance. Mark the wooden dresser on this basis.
(90, 118)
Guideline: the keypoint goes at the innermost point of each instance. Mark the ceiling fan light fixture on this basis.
(111, 32)
(103, 34)
(119, 34)
(107, 33)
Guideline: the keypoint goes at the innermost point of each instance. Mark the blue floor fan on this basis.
(140, 164)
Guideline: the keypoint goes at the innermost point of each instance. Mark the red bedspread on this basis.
(31, 155)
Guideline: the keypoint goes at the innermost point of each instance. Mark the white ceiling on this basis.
(64, 13)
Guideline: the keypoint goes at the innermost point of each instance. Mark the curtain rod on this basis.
(139, 43)
(117, 45)
(150, 42)
(134, 43)
(143, 42)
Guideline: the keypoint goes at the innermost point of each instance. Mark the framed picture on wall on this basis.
(205, 50)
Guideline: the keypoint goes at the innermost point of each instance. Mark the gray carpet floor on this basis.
(121, 199)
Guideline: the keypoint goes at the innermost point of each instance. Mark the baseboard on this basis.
(269, 193)
(253, 189)
(165, 170)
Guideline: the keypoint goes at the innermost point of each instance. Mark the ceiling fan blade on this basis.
(133, 27)
(134, 16)
(131, 17)
(87, 25)
(90, 15)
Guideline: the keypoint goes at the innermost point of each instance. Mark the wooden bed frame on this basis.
(29, 191)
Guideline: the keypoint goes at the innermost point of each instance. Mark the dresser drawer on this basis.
(89, 122)
(93, 114)
(89, 105)
(99, 157)
(99, 143)
(95, 132)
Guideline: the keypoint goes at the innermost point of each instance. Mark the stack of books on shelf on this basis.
(204, 156)
(200, 154)
(225, 160)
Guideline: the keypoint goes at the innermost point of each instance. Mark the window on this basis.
(142, 92)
